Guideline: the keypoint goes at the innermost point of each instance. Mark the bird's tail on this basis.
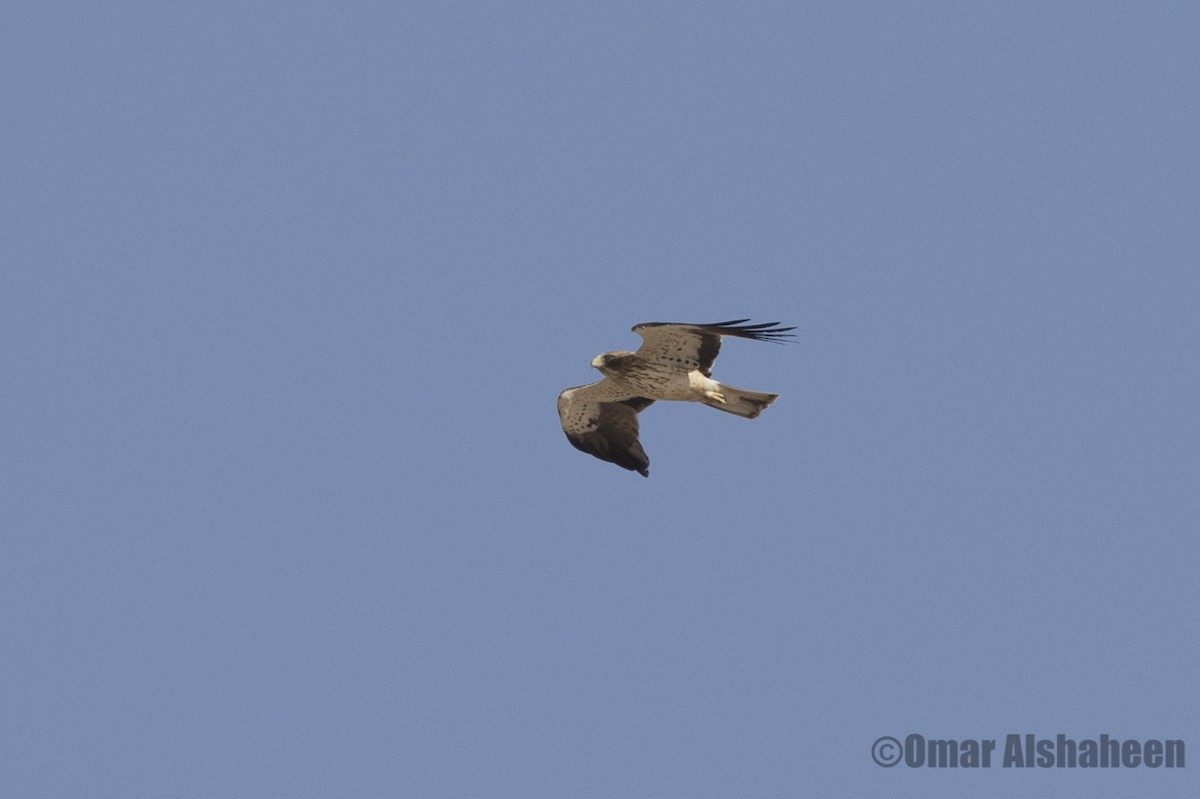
(741, 402)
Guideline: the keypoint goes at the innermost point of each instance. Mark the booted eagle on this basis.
(674, 363)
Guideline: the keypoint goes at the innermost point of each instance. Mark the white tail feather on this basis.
(739, 401)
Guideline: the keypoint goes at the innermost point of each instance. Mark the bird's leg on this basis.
(716, 396)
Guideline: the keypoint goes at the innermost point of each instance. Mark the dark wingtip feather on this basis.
(763, 331)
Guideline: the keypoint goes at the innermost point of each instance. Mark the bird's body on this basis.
(674, 363)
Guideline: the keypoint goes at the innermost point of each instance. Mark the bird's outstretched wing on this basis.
(600, 425)
(689, 346)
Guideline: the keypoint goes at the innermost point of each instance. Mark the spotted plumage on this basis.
(674, 363)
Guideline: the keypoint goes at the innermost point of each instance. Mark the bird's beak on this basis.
(598, 361)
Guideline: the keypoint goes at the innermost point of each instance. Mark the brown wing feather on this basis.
(606, 429)
(690, 346)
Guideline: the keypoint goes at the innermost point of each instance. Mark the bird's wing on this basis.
(689, 346)
(599, 424)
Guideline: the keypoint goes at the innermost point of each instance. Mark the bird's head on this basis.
(608, 362)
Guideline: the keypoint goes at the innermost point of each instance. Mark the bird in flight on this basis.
(674, 363)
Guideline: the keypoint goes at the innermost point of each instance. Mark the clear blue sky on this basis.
(289, 291)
